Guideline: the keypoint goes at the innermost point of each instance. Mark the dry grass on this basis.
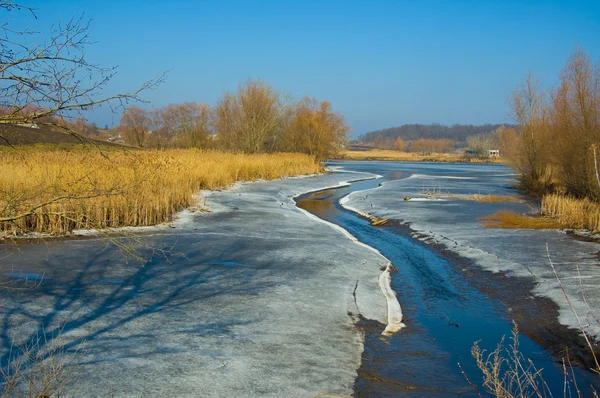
(384, 154)
(492, 198)
(83, 188)
(377, 222)
(509, 219)
(571, 212)
(439, 194)
(42, 368)
(557, 212)
(507, 374)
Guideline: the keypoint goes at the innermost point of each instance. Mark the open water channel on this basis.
(453, 294)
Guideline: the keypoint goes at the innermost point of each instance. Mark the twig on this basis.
(597, 369)
(473, 386)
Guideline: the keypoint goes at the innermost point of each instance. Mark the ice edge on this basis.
(394, 310)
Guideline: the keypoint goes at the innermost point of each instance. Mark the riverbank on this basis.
(243, 302)
(398, 156)
(449, 301)
(454, 226)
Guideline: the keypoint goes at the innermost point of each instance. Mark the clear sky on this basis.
(381, 63)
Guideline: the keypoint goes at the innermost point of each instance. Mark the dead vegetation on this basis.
(509, 219)
(492, 198)
(476, 197)
(571, 212)
(508, 374)
(377, 222)
(55, 191)
(40, 369)
(556, 212)
(391, 155)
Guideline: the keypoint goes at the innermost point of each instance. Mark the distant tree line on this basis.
(414, 132)
(560, 131)
(254, 119)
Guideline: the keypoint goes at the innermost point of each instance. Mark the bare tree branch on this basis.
(53, 80)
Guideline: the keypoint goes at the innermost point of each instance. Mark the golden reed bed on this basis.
(83, 187)
(557, 212)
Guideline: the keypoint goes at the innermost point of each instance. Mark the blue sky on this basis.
(381, 63)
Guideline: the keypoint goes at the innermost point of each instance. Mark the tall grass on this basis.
(508, 374)
(85, 188)
(509, 219)
(556, 212)
(571, 212)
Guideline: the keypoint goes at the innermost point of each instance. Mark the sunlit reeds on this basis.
(55, 191)
(571, 212)
(557, 212)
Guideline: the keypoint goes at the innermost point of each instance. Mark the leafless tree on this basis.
(250, 120)
(137, 125)
(531, 112)
(575, 119)
(47, 75)
(184, 125)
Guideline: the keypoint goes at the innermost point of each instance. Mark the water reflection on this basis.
(447, 305)
(320, 204)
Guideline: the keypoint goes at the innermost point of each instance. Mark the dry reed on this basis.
(83, 188)
(571, 212)
(509, 219)
(439, 194)
(557, 212)
(492, 198)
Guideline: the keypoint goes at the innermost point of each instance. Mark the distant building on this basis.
(117, 139)
(494, 153)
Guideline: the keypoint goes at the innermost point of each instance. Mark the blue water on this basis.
(445, 311)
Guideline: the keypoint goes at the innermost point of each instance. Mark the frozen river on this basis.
(459, 282)
(261, 298)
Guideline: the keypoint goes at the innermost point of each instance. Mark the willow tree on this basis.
(315, 129)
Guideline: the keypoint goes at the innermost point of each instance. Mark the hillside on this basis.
(411, 132)
(21, 135)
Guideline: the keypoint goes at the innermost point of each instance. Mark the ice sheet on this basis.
(453, 223)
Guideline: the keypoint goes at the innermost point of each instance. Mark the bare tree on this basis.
(47, 75)
(480, 144)
(224, 122)
(531, 112)
(508, 142)
(575, 118)
(185, 125)
(250, 120)
(137, 124)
